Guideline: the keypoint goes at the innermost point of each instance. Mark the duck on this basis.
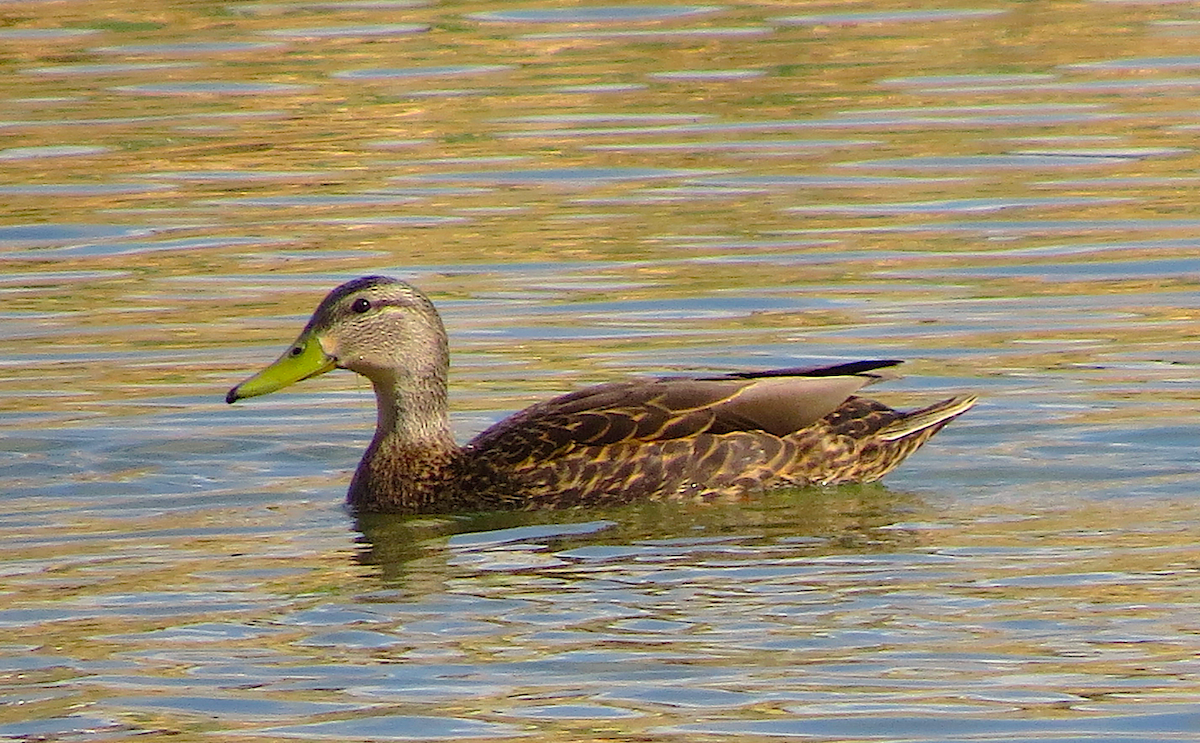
(699, 437)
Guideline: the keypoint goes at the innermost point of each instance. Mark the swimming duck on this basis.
(673, 437)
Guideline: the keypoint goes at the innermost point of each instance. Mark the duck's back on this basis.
(695, 437)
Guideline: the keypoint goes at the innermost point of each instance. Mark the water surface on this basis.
(1001, 194)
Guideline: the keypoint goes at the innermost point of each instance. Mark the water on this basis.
(1003, 195)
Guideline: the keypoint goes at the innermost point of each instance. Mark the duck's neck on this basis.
(410, 460)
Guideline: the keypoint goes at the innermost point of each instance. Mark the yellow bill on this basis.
(304, 359)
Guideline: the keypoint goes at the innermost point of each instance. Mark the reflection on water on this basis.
(1002, 195)
(847, 517)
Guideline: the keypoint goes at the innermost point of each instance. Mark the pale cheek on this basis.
(348, 357)
(365, 349)
(330, 347)
(354, 361)
(359, 359)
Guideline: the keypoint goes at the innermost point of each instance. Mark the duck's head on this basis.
(380, 327)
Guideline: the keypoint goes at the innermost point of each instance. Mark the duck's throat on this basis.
(412, 458)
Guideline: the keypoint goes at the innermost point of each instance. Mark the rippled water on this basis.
(1002, 194)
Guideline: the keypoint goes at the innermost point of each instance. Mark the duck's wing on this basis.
(778, 402)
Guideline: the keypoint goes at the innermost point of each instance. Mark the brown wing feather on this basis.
(701, 466)
(784, 405)
(603, 416)
(673, 408)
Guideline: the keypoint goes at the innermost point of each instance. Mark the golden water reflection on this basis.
(1001, 194)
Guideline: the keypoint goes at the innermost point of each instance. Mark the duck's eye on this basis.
(361, 305)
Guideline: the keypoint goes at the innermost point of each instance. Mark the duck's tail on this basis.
(928, 420)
